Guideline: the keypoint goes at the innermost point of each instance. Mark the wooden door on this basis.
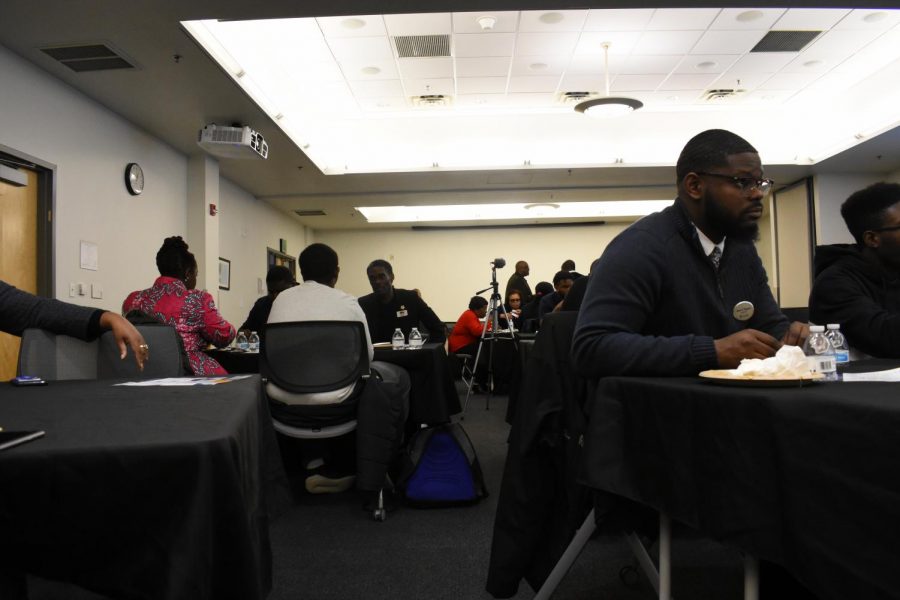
(18, 253)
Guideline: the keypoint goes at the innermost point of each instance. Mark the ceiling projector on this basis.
(233, 142)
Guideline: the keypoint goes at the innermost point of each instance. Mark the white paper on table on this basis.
(889, 375)
(180, 381)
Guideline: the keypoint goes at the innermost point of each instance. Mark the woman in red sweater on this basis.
(467, 331)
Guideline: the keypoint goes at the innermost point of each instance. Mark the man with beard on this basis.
(683, 290)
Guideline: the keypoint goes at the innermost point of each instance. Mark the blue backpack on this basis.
(440, 468)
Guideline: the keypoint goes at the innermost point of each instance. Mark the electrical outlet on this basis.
(73, 290)
(96, 290)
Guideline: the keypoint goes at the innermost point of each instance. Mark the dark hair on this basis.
(543, 288)
(318, 263)
(864, 210)
(709, 150)
(278, 274)
(511, 292)
(477, 302)
(568, 265)
(173, 259)
(560, 275)
(380, 262)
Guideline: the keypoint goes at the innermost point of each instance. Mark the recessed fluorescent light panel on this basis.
(511, 211)
(488, 90)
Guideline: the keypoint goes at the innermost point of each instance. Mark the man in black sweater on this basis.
(858, 286)
(387, 307)
(683, 290)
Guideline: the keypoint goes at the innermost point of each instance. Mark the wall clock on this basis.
(134, 179)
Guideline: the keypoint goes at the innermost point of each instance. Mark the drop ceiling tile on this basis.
(467, 22)
(706, 63)
(840, 43)
(809, 64)
(632, 19)
(355, 26)
(383, 104)
(419, 24)
(738, 79)
(645, 65)
(763, 62)
(481, 100)
(483, 44)
(360, 49)
(481, 85)
(682, 18)
(789, 81)
(518, 85)
(376, 89)
(583, 83)
(667, 99)
(594, 64)
(273, 38)
(539, 65)
(667, 42)
(546, 44)
(361, 70)
(747, 18)
(552, 20)
(317, 71)
(497, 66)
(421, 87)
(635, 83)
(531, 100)
(767, 97)
(865, 18)
(620, 42)
(684, 81)
(727, 42)
(426, 68)
(810, 19)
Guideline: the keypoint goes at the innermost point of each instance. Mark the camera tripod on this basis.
(490, 333)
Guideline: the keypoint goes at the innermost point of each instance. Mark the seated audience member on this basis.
(575, 295)
(467, 332)
(316, 299)
(174, 301)
(513, 308)
(518, 282)
(569, 267)
(20, 311)
(858, 286)
(531, 310)
(683, 290)
(562, 282)
(278, 279)
(388, 308)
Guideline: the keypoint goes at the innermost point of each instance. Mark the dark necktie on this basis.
(716, 257)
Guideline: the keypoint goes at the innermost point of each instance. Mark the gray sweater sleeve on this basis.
(20, 310)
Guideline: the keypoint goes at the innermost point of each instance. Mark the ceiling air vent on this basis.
(428, 100)
(574, 97)
(88, 57)
(785, 41)
(722, 94)
(312, 212)
(422, 46)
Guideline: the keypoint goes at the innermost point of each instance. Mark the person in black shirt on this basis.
(388, 308)
(278, 279)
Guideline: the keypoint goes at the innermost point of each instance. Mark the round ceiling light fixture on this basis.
(353, 23)
(608, 106)
(486, 22)
(551, 18)
(749, 16)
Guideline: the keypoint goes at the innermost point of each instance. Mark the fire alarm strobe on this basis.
(233, 142)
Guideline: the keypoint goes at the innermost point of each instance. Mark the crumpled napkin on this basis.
(788, 363)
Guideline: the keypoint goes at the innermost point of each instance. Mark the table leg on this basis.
(751, 578)
(665, 557)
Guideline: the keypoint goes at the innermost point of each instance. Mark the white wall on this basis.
(44, 118)
(830, 191)
(248, 226)
(449, 266)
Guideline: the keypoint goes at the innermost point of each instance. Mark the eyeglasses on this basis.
(745, 184)
(882, 229)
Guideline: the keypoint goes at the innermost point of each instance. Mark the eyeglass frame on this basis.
(739, 182)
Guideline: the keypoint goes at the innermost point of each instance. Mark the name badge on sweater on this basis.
(402, 312)
(743, 310)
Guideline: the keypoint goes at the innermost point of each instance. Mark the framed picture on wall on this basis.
(224, 274)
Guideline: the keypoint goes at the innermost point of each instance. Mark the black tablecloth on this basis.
(433, 397)
(804, 477)
(139, 492)
(235, 361)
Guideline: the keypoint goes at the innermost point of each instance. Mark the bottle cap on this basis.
(833, 326)
(816, 329)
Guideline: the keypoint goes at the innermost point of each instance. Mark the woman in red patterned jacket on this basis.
(174, 301)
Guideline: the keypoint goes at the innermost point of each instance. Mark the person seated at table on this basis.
(20, 310)
(531, 310)
(278, 279)
(858, 286)
(388, 308)
(683, 290)
(562, 282)
(575, 295)
(569, 266)
(513, 308)
(173, 300)
(518, 282)
(467, 331)
(316, 299)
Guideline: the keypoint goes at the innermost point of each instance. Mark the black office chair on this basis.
(55, 357)
(167, 357)
(305, 357)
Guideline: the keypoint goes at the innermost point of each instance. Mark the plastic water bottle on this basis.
(415, 338)
(253, 342)
(820, 353)
(242, 343)
(839, 343)
(398, 340)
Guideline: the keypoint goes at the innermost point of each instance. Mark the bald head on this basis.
(522, 268)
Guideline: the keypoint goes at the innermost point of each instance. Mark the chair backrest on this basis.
(314, 356)
(54, 357)
(166, 353)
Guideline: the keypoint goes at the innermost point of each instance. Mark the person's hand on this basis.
(796, 334)
(747, 343)
(126, 335)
